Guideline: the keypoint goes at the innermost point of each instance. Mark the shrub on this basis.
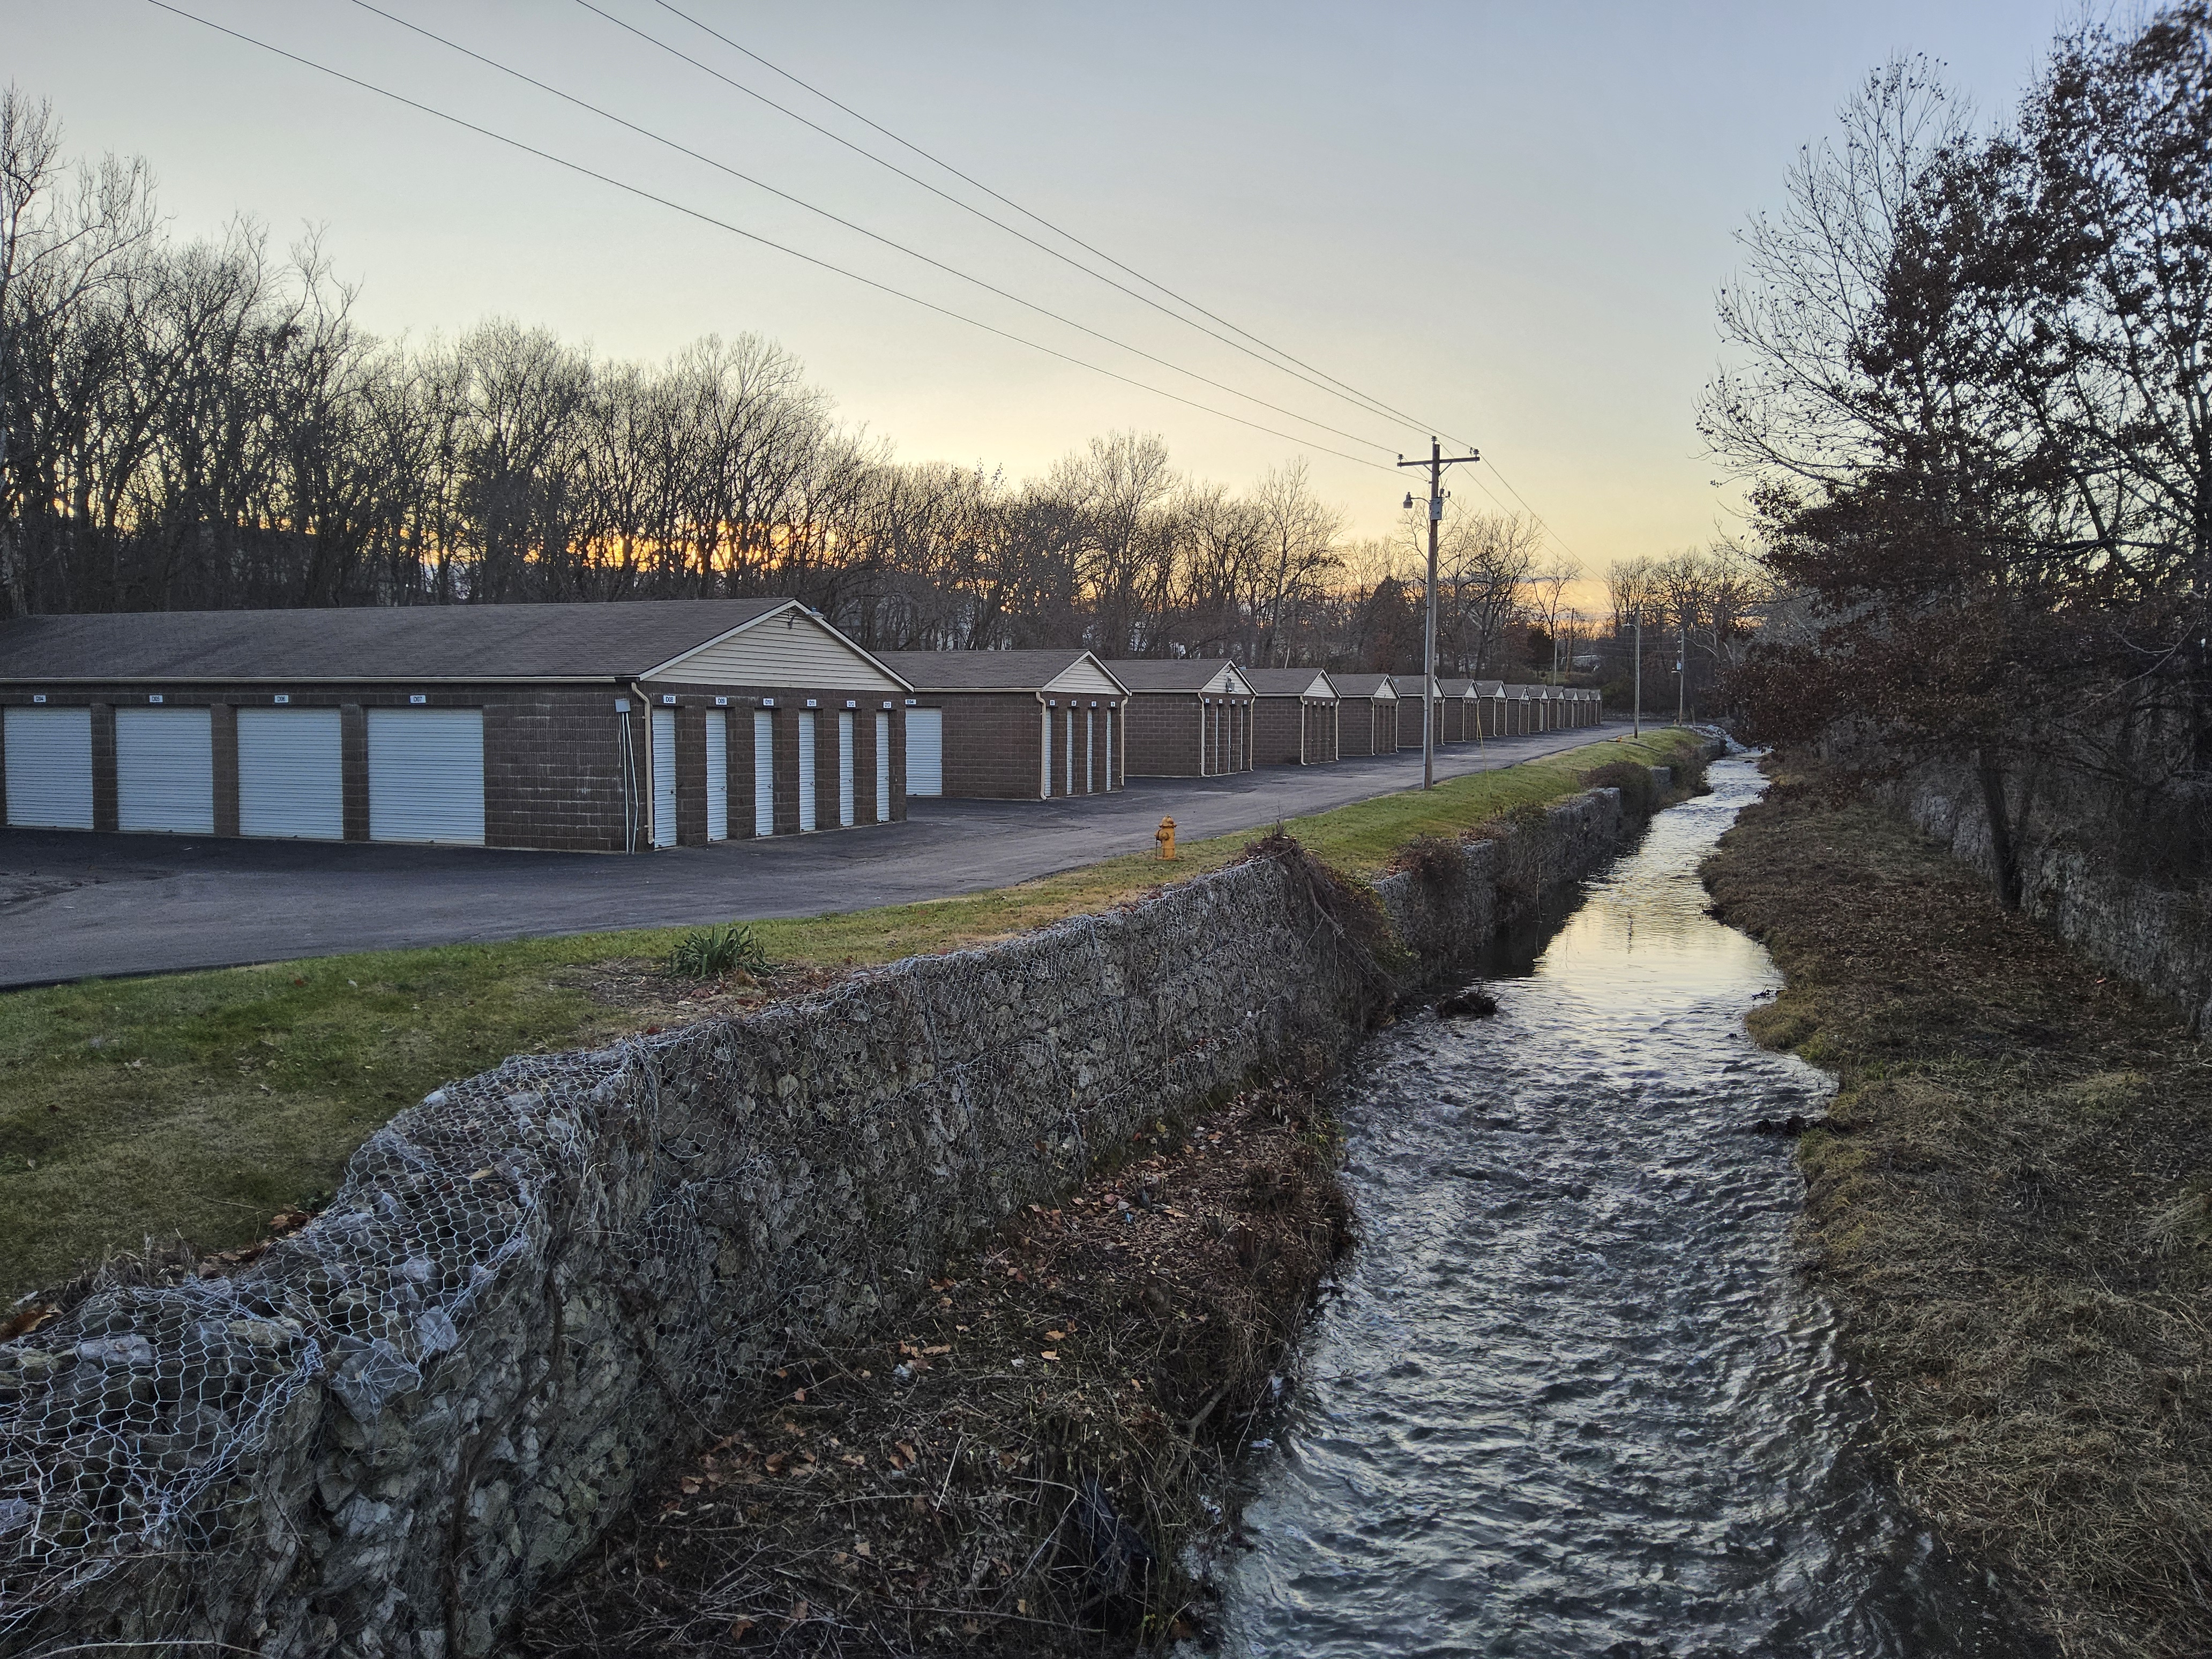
(1639, 790)
(717, 952)
(1437, 863)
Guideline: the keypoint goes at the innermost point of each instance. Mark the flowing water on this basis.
(1570, 1397)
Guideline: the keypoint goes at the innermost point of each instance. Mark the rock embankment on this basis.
(538, 1287)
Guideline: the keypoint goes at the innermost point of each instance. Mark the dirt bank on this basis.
(2009, 1209)
(1019, 1469)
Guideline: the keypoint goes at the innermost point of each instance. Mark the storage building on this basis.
(1489, 704)
(1454, 711)
(1520, 710)
(1366, 715)
(1412, 706)
(1010, 725)
(1189, 717)
(1294, 716)
(576, 727)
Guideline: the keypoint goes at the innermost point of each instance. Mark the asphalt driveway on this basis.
(77, 906)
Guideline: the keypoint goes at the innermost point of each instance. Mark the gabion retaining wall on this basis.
(535, 1287)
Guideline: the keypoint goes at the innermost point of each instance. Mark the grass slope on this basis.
(199, 1104)
(2010, 1213)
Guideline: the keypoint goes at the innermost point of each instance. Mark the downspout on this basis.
(625, 764)
(642, 820)
(1044, 749)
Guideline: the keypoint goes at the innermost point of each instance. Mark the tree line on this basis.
(202, 425)
(1971, 382)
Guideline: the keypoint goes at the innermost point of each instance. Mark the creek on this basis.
(1570, 1395)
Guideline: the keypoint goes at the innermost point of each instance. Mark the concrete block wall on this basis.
(535, 1286)
(2158, 936)
(1279, 734)
(1164, 735)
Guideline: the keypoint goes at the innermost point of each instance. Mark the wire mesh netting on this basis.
(535, 1285)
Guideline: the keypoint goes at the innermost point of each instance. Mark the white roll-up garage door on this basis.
(50, 768)
(664, 777)
(165, 771)
(807, 815)
(291, 773)
(883, 768)
(718, 776)
(847, 784)
(426, 774)
(763, 773)
(925, 751)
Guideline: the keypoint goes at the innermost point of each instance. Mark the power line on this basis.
(838, 219)
(1325, 383)
(1532, 512)
(643, 194)
(1373, 405)
(1353, 392)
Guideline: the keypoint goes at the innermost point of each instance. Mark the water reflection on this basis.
(1571, 1400)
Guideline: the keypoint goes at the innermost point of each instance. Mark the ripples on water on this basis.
(1570, 1398)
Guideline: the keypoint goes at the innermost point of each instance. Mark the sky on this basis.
(1504, 222)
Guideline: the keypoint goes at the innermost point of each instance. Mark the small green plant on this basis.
(717, 952)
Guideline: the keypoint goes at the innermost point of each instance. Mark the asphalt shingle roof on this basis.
(1281, 682)
(419, 642)
(1167, 673)
(1359, 685)
(981, 671)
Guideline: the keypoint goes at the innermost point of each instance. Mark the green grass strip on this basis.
(201, 1103)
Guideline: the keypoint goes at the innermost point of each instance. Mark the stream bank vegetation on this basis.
(1967, 377)
(201, 1104)
(1031, 1463)
(2010, 1205)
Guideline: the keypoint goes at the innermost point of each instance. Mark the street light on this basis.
(1635, 622)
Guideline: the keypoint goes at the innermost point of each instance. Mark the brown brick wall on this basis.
(991, 741)
(1282, 731)
(1357, 718)
(107, 812)
(994, 744)
(1164, 734)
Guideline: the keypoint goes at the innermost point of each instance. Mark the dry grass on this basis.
(1018, 1468)
(2010, 1213)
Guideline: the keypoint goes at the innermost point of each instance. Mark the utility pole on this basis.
(1437, 463)
(1682, 673)
(1635, 622)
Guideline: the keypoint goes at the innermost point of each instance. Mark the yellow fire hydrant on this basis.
(1165, 835)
